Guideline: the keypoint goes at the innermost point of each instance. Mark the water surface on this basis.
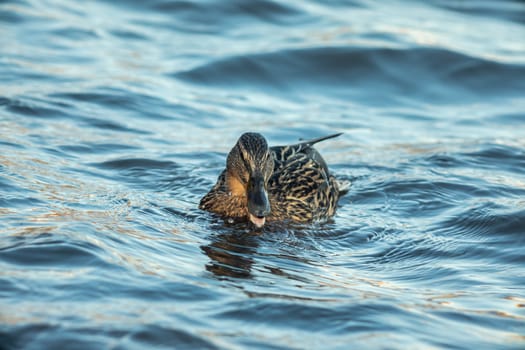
(116, 118)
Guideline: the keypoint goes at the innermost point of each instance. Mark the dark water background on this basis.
(116, 117)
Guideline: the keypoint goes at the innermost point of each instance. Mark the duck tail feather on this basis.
(344, 186)
(319, 139)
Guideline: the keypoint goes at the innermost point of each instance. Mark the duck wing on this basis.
(301, 186)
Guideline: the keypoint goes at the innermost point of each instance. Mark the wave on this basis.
(136, 163)
(424, 73)
(45, 251)
(219, 14)
(507, 10)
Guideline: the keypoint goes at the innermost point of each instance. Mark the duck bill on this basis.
(258, 222)
(258, 203)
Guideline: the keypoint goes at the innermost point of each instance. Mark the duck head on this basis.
(248, 168)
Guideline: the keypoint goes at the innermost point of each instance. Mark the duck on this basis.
(263, 184)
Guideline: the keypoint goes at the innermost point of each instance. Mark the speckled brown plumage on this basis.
(281, 183)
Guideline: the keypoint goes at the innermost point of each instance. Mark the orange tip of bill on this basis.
(259, 222)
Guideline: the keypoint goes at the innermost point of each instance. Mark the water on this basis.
(116, 117)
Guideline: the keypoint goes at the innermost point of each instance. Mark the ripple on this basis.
(33, 109)
(114, 126)
(136, 163)
(359, 317)
(220, 15)
(447, 73)
(509, 118)
(10, 144)
(165, 337)
(74, 33)
(508, 10)
(20, 202)
(96, 148)
(488, 222)
(50, 253)
(118, 98)
(13, 15)
(129, 35)
(506, 157)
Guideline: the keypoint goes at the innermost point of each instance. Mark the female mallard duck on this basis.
(273, 183)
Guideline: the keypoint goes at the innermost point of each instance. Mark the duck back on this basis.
(301, 187)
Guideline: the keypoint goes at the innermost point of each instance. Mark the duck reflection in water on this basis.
(231, 254)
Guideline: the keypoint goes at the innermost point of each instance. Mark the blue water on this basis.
(116, 118)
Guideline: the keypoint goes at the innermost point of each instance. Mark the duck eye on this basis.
(244, 158)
